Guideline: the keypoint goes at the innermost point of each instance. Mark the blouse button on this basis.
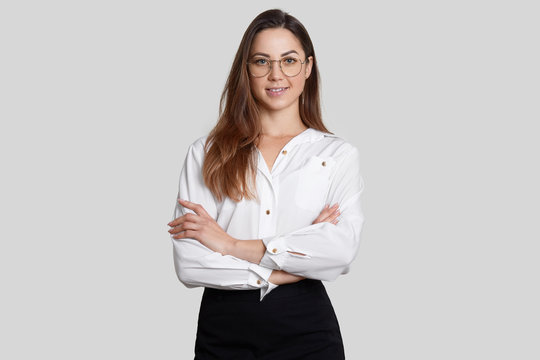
(274, 250)
(323, 163)
(267, 212)
(259, 282)
(284, 152)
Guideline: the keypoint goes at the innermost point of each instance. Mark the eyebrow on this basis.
(285, 53)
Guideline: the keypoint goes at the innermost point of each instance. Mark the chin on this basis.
(278, 105)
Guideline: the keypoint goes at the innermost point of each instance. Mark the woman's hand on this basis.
(201, 227)
(328, 214)
(280, 277)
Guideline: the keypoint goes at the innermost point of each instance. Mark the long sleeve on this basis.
(195, 264)
(328, 249)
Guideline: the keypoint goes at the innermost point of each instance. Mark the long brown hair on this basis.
(230, 164)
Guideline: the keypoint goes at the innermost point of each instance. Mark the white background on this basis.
(100, 99)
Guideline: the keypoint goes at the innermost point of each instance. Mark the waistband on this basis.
(282, 291)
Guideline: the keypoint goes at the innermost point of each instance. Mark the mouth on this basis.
(277, 91)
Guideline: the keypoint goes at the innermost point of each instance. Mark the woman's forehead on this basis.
(275, 42)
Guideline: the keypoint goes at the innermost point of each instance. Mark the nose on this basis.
(275, 71)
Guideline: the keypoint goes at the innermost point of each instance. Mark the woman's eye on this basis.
(260, 61)
(289, 61)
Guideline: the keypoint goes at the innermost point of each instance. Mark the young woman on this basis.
(268, 206)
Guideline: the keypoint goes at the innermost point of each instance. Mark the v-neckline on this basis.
(261, 156)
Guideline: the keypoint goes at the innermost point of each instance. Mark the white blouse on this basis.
(313, 169)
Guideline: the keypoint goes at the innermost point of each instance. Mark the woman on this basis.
(253, 223)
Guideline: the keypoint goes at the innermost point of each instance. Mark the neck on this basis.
(281, 123)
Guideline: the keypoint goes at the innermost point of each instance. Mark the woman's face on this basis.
(275, 44)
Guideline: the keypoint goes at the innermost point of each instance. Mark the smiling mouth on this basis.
(276, 91)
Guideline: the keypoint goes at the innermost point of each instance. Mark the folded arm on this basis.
(195, 264)
(323, 250)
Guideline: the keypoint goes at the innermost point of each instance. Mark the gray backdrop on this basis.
(100, 99)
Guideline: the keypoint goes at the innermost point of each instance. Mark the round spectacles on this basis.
(290, 66)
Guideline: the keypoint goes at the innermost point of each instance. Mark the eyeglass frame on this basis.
(270, 61)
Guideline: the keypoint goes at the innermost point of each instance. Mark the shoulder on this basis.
(335, 146)
(199, 143)
(197, 146)
(342, 156)
(196, 150)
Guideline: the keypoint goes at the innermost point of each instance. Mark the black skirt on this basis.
(294, 321)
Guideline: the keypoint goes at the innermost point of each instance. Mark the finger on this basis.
(318, 219)
(186, 217)
(179, 220)
(185, 234)
(197, 208)
(176, 221)
(329, 209)
(326, 211)
(189, 229)
(187, 225)
(335, 214)
(175, 230)
(332, 216)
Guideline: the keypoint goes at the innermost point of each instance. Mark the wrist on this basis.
(275, 277)
(230, 247)
(249, 250)
(280, 277)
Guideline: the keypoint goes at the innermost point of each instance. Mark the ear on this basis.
(309, 66)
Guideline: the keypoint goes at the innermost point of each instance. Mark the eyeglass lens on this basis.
(290, 66)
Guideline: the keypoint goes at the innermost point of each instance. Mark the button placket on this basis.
(267, 208)
(267, 220)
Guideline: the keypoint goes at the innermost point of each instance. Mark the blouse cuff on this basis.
(276, 252)
(258, 277)
(266, 290)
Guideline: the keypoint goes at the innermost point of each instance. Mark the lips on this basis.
(276, 91)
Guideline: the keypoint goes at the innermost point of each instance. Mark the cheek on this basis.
(256, 86)
(252, 85)
(298, 83)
